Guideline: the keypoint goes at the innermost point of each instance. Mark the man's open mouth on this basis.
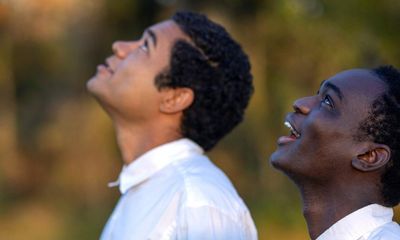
(293, 131)
(108, 67)
(293, 136)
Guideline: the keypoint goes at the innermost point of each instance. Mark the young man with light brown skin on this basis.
(172, 95)
(343, 153)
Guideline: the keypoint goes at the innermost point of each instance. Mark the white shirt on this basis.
(373, 222)
(175, 192)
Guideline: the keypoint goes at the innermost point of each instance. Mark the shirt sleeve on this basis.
(205, 222)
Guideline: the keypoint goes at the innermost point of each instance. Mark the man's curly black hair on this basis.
(215, 67)
(383, 126)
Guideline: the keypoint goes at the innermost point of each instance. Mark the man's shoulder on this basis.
(389, 231)
(204, 184)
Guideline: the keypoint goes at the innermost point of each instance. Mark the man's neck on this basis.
(133, 140)
(323, 206)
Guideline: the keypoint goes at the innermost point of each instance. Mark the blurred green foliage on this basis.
(57, 148)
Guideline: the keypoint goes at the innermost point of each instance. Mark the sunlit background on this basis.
(57, 147)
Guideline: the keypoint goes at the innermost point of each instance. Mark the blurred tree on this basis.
(8, 129)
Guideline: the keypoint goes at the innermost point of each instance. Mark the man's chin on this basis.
(91, 85)
(93, 88)
(278, 161)
(287, 165)
(274, 159)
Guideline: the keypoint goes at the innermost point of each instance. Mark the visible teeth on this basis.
(294, 132)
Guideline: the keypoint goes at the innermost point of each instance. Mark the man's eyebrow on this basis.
(335, 88)
(153, 36)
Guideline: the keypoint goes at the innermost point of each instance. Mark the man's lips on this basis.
(103, 68)
(294, 134)
(293, 130)
(286, 139)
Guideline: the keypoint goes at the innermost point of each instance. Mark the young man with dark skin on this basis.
(343, 153)
(172, 95)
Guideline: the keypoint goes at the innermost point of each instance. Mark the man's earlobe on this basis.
(374, 158)
(176, 100)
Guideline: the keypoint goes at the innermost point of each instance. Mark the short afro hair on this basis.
(383, 126)
(215, 67)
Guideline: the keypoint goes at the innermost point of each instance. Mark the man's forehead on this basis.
(167, 29)
(357, 81)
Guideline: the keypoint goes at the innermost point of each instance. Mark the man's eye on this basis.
(327, 101)
(145, 46)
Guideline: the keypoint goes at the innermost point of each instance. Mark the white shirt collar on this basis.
(153, 161)
(358, 223)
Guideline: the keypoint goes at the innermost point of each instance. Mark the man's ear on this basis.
(375, 157)
(176, 99)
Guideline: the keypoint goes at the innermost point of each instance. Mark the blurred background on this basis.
(57, 147)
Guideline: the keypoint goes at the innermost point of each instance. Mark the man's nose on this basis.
(122, 48)
(304, 105)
